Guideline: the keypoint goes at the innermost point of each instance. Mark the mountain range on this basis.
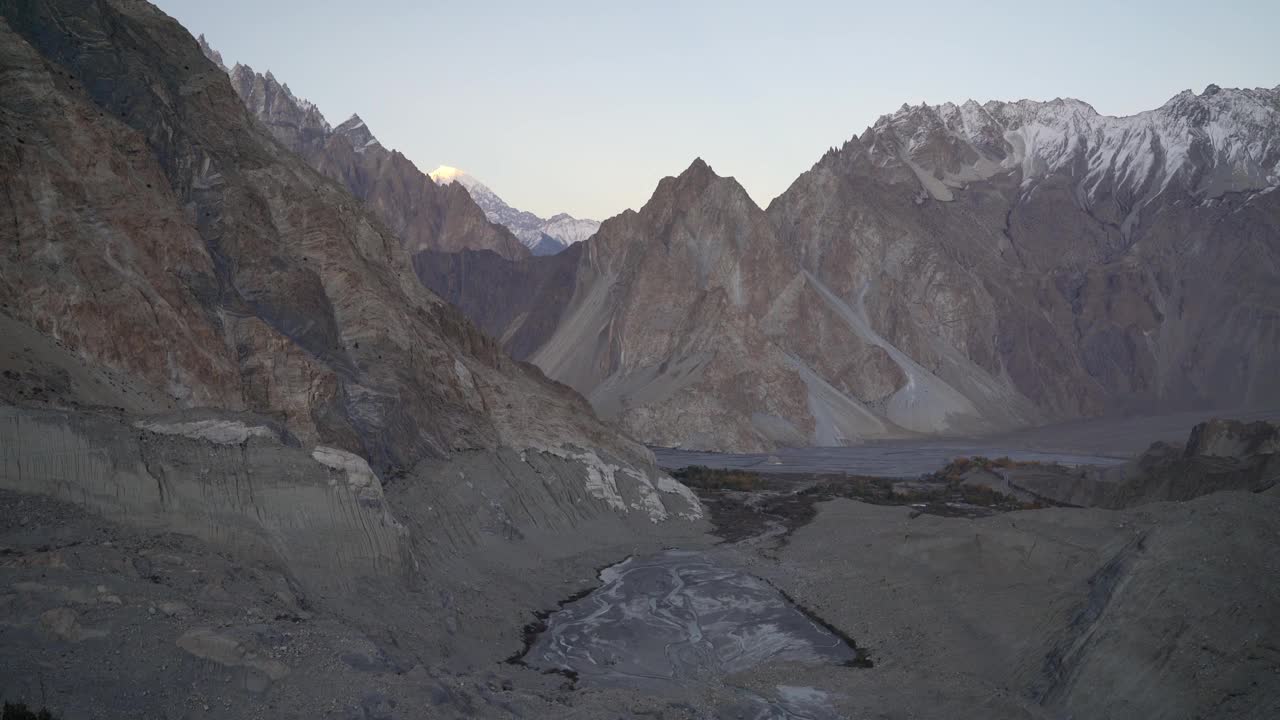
(541, 236)
(953, 270)
(247, 457)
(428, 211)
(424, 215)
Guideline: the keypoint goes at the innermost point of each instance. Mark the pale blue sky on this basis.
(583, 106)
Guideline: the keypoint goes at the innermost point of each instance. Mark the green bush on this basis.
(705, 478)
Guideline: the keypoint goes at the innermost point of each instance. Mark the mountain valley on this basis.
(977, 419)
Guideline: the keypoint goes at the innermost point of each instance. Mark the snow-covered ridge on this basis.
(569, 229)
(445, 174)
(1222, 140)
(543, 237)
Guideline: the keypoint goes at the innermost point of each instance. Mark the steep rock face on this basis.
(163, 252)
(520, 303)
(954, 270)
(424, 215)
(928, 281)
(542, 237)
(1091, 262)
(691, 326)
(294, 122)
(214, 56)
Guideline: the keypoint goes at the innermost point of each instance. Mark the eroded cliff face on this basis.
(163, 253)
(954, 270)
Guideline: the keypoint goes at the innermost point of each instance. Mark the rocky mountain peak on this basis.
(276, 105)
(214, 56)
(692, 181)
(355, 130)
(699, 179)
(698, 168)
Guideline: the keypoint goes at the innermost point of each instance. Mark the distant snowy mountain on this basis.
(542, 237)
(426, 216)
(569, 229)
(1220, 141)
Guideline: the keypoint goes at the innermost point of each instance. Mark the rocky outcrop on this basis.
(1233, 439)
(1219, 455)
(953, 270)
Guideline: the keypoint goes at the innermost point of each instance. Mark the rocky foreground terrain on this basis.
(954, 270)
(1160, 610)
(251, 468)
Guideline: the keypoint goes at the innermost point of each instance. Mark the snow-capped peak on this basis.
(1223, 140)
(446, 174)
(543, 237)
(214, 56)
